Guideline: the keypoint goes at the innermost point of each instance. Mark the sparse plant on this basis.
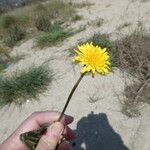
(42, 19)
(5, 51)
(81, 5)
(12, 32)
(13, 35)
(93, 99)
(28, 17)
(42, 23)
(24, 85)
(8, 21)
(126, 24)
(134, 55)
(99, 22)
(76, 18)
(3, 64)
(60, 9)
(52, 35)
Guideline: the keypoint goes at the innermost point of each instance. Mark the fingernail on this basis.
(55, 129)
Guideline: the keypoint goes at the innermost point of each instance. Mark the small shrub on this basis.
(42, 23)
(25, 18)
(99, 22)
(3, 64)
(60, 9)
(126, 24)
(12, 32)
(81, 5)
(5, 52)
(42, 19)
(134, 55)
(8, 21)
(24, 85)
(76, 18)
(52, 35)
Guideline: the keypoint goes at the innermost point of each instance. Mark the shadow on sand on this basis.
(95, 133)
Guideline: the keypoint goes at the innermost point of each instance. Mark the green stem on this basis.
(70, 96)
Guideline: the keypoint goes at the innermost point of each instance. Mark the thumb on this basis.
(52, 137)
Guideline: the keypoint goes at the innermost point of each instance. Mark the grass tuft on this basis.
(15, 23)
(93, 99)
(76, 18)
(3, 64)
(60, 9)
(12, 33)
(81, 5)
(124, 25)
(134, 55)
(24, 85)
(52, 35)
(42, 18)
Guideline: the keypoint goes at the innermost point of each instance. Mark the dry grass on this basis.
(81, 5)
(4, 51)
(93, 99)
(76, 18)
(37, 15)
(126, 24)
(134, 55)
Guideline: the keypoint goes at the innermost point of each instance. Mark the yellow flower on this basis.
(93, 58)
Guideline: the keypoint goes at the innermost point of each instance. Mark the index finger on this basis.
(37, 119)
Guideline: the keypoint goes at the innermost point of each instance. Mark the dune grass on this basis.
(3, 64)
(134, 55)
(24, 85)
(36, 15)
(52, 35)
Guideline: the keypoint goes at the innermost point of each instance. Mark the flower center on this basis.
(93, 59)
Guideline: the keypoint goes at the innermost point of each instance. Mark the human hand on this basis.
(48, 141)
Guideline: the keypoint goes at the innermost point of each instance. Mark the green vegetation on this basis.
(52, 35)
(76, 18)
(24, 85)
(42, 18)
(3, 64)
(12, 33)
(60, 9)
(15, 24)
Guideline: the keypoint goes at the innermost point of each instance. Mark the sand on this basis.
(99, 124)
